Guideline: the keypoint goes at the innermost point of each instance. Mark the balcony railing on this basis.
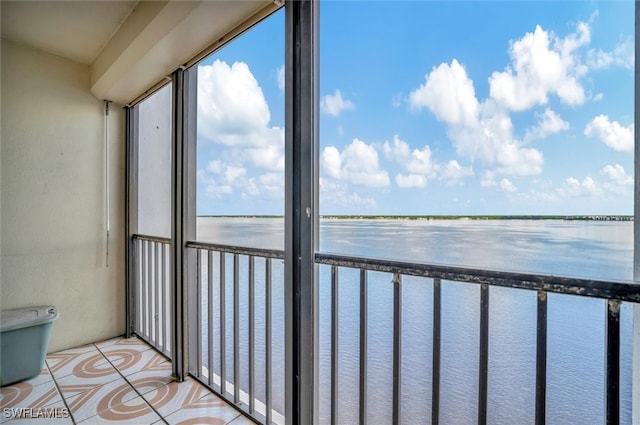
(152, 301)
(221, 272)
(233, 283)
(613, 292)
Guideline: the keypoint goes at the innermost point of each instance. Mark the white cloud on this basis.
(491, 142)
(572, 187)
(488, 179)
(617, 174)
(355, 199)
(357, 164)
(613, 134)
(250, 189)
(452, 170)
(334, 104)
(215, 166)
(212, 187)
(549, 123)
(419, 165)
(618, 181)
(232, 173)
(271, 184)
(398, 151)
(479, 132)
(598, 97)
(507, 186)
(222, 178)
(340, 196)
(416, 161)
(411, 180)
(232, 109)
(331, 161)
(280, 77)
(622, 55)
(541, 64)
(448, 93)
(234, 116)
(271, 156)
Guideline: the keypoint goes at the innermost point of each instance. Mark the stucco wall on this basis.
(53, 241)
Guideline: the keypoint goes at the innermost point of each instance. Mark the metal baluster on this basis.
(149, 298)
(223, 330)
(613, 362)
(138, 286)
(163, 299)
(334, 345)
(156, 288)
(252, 368)
(541, 359)
(236, 329)
(435, 369)
(397, 347)
(483, 366)
(268, 338)
(143, 289)
(199, 311)
(210, 312)
(364, 299)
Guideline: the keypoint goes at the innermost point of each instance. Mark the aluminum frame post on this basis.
(301, 212)
(188, 223)
(182, 213)
(131, 215)
(635, 380)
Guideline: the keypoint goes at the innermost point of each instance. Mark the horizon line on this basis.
(591, 217)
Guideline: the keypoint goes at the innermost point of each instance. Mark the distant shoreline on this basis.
(449, 217)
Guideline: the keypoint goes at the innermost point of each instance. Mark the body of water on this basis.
(576, 338)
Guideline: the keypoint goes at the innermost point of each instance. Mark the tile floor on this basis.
(121, 381)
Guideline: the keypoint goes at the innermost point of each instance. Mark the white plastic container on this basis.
(24, 337)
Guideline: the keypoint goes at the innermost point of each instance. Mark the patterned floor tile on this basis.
(87, 364)
(122, 342)
(25, 395)
(242, 420)
(129, 361)
(119, 380)
(149, 380)
(176, 395)
(92, 401)
(133, 411)
(209, 409)
(73, 384)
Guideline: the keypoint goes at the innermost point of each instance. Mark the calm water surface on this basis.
(575, 362)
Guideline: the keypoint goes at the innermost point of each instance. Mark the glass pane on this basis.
(240, 139)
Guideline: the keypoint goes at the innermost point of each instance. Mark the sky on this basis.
(432, 108)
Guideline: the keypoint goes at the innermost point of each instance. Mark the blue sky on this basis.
(433, 107)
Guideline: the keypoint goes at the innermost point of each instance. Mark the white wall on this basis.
(53, 236)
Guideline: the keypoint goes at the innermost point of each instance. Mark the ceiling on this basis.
(129, 46)
(76, 30)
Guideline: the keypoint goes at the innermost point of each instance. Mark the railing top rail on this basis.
(617, 290)
(254, 252)
(158, 239)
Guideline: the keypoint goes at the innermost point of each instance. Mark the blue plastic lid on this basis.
(18, 318)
